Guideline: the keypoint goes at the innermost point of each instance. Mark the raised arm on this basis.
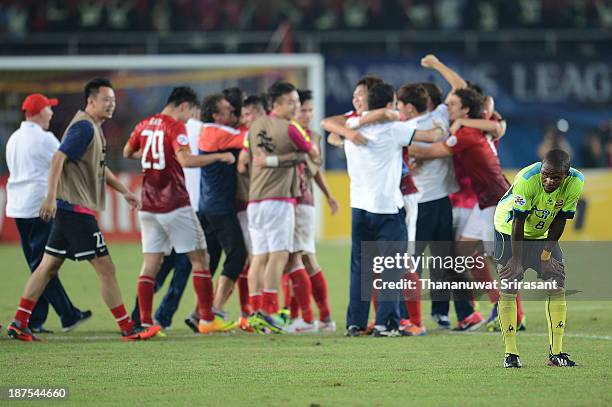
(453, 78)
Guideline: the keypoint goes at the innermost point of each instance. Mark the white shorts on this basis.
(271, 225)
(178, 229)
(244, 225)
(304, 234)
(460, 219)
(480, 224)
(411, 205)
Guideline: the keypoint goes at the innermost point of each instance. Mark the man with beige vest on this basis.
(273, 191)
(76, 192)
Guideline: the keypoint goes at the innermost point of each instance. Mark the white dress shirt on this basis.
(28, 156)
(375, 169)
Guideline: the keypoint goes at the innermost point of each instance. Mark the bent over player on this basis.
(529, 220)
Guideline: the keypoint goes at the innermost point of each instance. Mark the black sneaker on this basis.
(388, 333)
(561, 360)
(192, 322)
(512, 361)
(83, 316)
(40, 330)
(353, 331)
(442, 321)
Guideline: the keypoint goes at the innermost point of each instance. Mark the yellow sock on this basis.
(506, 311)
(556, 313)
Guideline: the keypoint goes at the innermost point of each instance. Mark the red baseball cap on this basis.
(34, 103)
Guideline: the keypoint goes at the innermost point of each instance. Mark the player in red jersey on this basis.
(477, 155)
(167, 219)
(471, 229)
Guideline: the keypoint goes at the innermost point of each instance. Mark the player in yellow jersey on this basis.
(529, 220)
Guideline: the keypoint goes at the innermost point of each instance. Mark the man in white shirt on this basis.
(28, 155)
(377, 206)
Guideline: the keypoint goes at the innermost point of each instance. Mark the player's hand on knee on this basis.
(512, 271)
(554, 270)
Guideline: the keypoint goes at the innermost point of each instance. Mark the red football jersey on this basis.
(478, 156)
(465, 197)
(407, 185)
(163, 184)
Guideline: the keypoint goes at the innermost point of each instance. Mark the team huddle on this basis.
(234, 175)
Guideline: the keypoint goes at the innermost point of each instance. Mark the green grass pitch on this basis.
(310, 370)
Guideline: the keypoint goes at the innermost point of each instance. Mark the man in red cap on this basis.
(28, 155)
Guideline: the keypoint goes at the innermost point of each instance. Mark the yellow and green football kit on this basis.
(527, 199)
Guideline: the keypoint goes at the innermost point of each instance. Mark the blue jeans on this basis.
(368, 226)
(34, 233)
(167, 308)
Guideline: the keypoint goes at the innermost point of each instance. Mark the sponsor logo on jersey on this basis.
(519, 200)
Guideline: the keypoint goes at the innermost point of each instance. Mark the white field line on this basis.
(68, 338)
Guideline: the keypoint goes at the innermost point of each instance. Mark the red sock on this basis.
(519, 309)
(483, 274)
(243, 291)
(294, 310)
(302, 290)
(202, 283)
(24, 310)
(374, 300)
(412, 299)
(123, 319)
(255, 301)
(319, 293)
(286, 286)
(270, 302)
(146, 289)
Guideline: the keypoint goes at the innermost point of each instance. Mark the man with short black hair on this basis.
(377, 207)
(273, 191)
(28, 154)
(78, 177)
(218, 183)
(529, 221)
(167, 219)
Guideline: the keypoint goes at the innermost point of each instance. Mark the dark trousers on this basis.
(167, 308)
(34, 233)
(435, 228)
(366, 226)
(223, 233)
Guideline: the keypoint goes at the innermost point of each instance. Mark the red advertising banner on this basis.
(118, 222)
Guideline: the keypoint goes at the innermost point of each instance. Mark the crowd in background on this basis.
(18, 18)
(595, 150)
